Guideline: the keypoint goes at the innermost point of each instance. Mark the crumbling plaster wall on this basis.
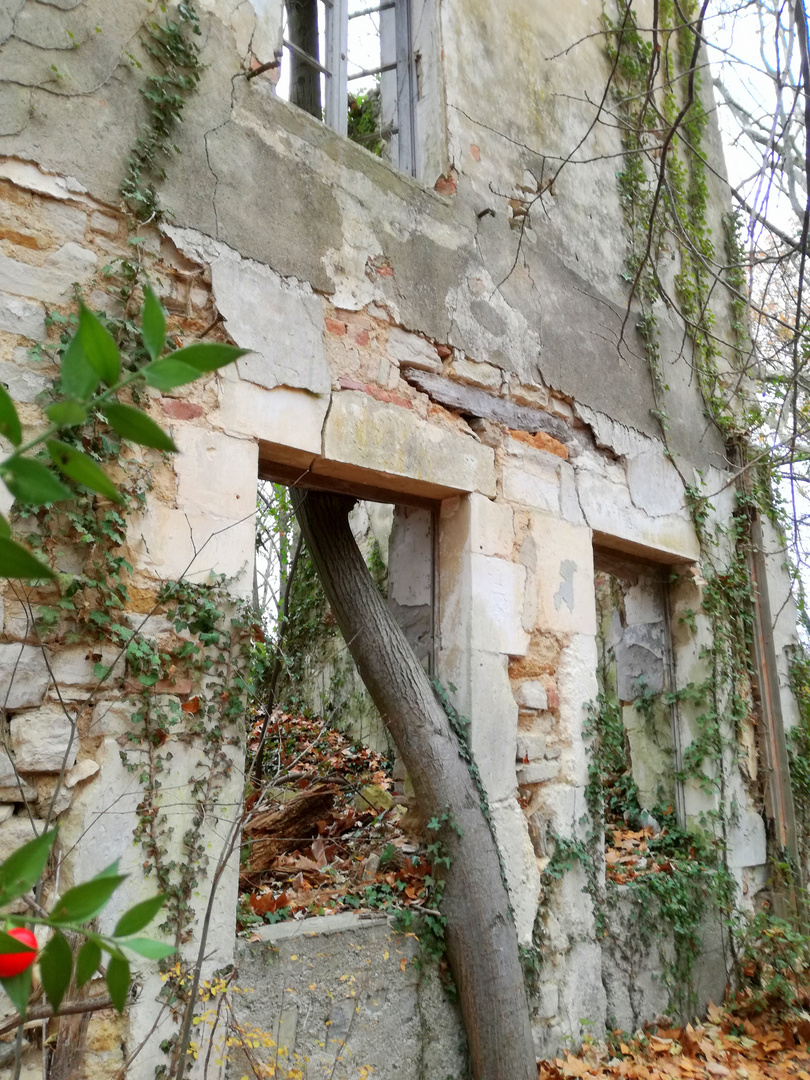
(346, 277)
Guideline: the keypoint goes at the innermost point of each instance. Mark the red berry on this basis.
(14, 963)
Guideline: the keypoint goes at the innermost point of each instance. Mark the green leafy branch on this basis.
(71, 912)
(32, 473)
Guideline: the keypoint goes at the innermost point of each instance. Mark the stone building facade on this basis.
(445, 341)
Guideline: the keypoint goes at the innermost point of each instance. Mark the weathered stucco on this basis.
(345, 277)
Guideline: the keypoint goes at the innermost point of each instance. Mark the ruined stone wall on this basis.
(414, 340)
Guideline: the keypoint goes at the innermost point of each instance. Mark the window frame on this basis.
(338, 80)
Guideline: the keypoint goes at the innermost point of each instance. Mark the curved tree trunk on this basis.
(482, 943)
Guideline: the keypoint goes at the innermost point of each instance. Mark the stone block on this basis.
(609, 510)
(474, 373)
(74, 666)
(20, 316)
(8, 777)
(104, 223)
(173, 544)
(52, 283)
(538, 772)
(577, 688)
(394, 442)
(50, 802)
(747, 844)
(15, 832)
(82, 770)
(24, 676)
(520, 865)
(496, 600)
(564, 575)
(42, 739)
(492, 527)
(112, 718)
(538, 488)
(493, 716)
(17, 793)
(410, 350)
(531, 746)
(22, 378)
(655, 484)
(532, 694)
(410, 557)
(215, 473)
(289, 418)
(545, 1001)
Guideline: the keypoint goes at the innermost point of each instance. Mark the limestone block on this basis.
(111, 718)
(747, 841)
(492, 527)
(532, 694)
(520, 865)
(63, 218)
(75, 665)
(280, 320)
(533, 485)
(173, 544)
(22, 378)
(493, 716)
(19, 316)
(289, 418)
(17, 793)
(52, 282)
(6, 811)
(577, 688)
(8, 777)
(82, 770)
(215, 473)
(564, 574)
(537, 772)
(569, 499)
(476, 374)
(655, 484)
(496, 599)
(410, 557)
(608, 509)
(545, 1001)
(42, 739)
(15, 832)
(24, 676)
(531, 746)
(582, 993)
(369, 434)
(410, 350)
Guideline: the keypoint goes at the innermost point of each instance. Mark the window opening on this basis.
(638, 736)
(350, 64)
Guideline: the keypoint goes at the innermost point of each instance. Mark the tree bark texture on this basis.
(482, 945)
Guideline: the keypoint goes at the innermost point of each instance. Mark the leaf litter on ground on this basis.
(328, 836)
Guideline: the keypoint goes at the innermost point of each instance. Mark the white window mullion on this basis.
(337, 46)
(406, 89)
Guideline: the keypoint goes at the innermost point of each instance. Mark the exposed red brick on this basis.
(553, 696)
(359, 335)
(541, 441)
(350, 384)
(181, 410)
(335, 327)
(444, 351)
(446, 185)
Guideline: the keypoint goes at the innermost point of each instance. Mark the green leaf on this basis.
(67, 413)
(118, 981)
(152, 950)
(9, 421)
(32, 482)
(22, 869)
(99, 346)
(153, 326)
(55, 968)
(5, 528)
(87, 962)
(84, 901)
(79, 467)
(132, 424)
(18, 988)
(17, 562)
(79, 379)
(167, 374)
(138, 916)
(9, 944)
(208, 355)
